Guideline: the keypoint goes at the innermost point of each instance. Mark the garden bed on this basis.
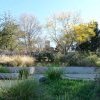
(52, 90)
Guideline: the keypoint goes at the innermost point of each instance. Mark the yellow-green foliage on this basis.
(84, 32)
(17, 60)
(98, 62)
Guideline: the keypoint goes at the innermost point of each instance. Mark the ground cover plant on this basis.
(4, 70)
(23, 91)
(54, 87)
(52, 90)
(23, 74)
(54, 74)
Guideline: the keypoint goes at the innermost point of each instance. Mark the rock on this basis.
(43, 79)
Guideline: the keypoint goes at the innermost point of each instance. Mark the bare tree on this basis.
(41, 43)
(31, 29)
(60, 28)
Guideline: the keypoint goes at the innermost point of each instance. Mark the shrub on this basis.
(25, 90)
(53, 90)
(4, 70)
(5, 60)
(45, 57)
(89, 60)
(96, 95)
(86, 62)
(98, 62)
(22, 61)
(23, 74)
(74, 59)
(54, 74)
(67, 57)
(17, 60)
(71, 89)
(80, 59)
(57, 58)
(53, 65)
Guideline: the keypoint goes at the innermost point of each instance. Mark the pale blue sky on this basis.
(89, 9)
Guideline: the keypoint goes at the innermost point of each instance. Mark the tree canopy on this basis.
(8, 33)
(89, 39)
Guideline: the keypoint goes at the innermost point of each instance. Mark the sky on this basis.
(88, 9)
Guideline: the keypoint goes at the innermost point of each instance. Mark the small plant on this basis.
(4, 70)
(23, 74)
(98, 62)
(54, 74)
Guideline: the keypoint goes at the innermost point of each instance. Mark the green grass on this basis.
(8, 83)
(20, 91)
(4, 70)
(70, 89)
(51, 90)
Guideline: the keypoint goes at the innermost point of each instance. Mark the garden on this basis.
(51, 87)
(32, 69)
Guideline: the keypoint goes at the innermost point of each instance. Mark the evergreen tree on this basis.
(8, 33)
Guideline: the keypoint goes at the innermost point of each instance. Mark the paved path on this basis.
(88, 73)
(70, 70)
(71, 76)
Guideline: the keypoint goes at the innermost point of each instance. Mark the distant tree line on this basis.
(68, 32)
(65, 29)
(24, 35)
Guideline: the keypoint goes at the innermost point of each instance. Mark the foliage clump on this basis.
(54, 74)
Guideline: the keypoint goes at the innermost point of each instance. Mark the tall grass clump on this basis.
(5, 59)
(54, 74)
(25, 90)
(23, 74)
(22, 61)
(17, 60)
